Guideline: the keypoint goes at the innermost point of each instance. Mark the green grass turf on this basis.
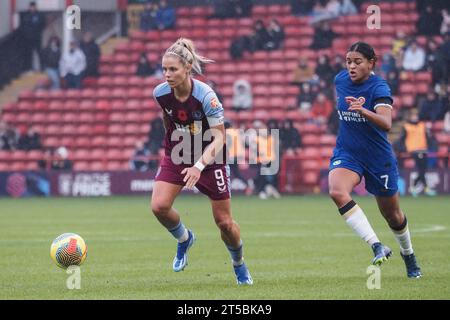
(296, 248)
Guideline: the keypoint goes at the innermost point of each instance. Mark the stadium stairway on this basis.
(27, 81)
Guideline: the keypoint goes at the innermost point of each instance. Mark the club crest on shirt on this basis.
(195, 128)
(197, 115)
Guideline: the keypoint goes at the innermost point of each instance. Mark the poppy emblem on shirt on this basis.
(182, 115)
(214, 102)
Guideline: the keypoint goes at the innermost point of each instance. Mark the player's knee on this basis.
(395, 218)
(338, 195)
(225, 225)
(160, 208)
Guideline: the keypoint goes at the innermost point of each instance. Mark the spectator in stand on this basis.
(415, 137)
(303, 72)
(431, 109)
(324, 70)
(51, 56)
(240, 45)
(398, 44)
(323, 36)
(444, 53)
(166, 16)
(276, 35)
(32, 25)
(387, 64)
(348, 8)
(72, 65)
(235, 154)
(156, 136)
(447, 120)
(242, 95)
(339, 64)
(333, 122)
(46, 159)
(92, 53)
(263, 146)
(414, 58)
(61, 160)
(305, 98)
(242, 8)
(31, 140)
(223, 9)
(139, 160)
(290, 138)
(445, 26)
(392, 80)
(260, 36)
(147, 20)
(302, 7)
(8, 136)
(321, 109)
(429, 22)
(213, 86)
(326, 89)
(145, 68)
(434, 61)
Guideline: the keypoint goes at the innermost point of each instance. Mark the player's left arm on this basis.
(382, 116)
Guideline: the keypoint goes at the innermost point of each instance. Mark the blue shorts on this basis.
(379, 182)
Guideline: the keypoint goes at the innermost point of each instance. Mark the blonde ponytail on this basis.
(184, 49)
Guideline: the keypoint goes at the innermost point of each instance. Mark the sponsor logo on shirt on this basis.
(214, 102)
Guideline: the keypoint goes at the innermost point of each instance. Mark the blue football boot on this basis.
(180, 260)
(381, 253)
(242, 275)
(412, 267)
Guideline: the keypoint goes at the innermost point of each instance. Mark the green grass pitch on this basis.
(296, 248)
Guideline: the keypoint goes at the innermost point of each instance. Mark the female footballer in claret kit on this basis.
(191, 107)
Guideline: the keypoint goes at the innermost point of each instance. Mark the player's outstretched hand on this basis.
(192, 175)
(355, 104)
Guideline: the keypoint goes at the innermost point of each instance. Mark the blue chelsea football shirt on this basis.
(364, 140)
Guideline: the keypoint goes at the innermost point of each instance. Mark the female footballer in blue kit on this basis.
(364, 106)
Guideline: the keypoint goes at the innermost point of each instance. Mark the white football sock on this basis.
(357, 220)
(404, 240)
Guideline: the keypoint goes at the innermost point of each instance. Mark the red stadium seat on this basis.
(310, 140)
(311, 178)
(115, 166)
(97, 166)
(114, 154)
(327, 140)
(311, 153)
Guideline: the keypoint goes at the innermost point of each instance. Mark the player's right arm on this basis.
(166, 120)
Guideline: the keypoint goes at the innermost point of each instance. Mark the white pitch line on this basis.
(434, 228)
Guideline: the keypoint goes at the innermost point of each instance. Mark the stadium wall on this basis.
(5, 18)
(109, 183)
(191, 3)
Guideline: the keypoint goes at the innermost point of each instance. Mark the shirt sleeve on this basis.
(382, 96)
(213, 109)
